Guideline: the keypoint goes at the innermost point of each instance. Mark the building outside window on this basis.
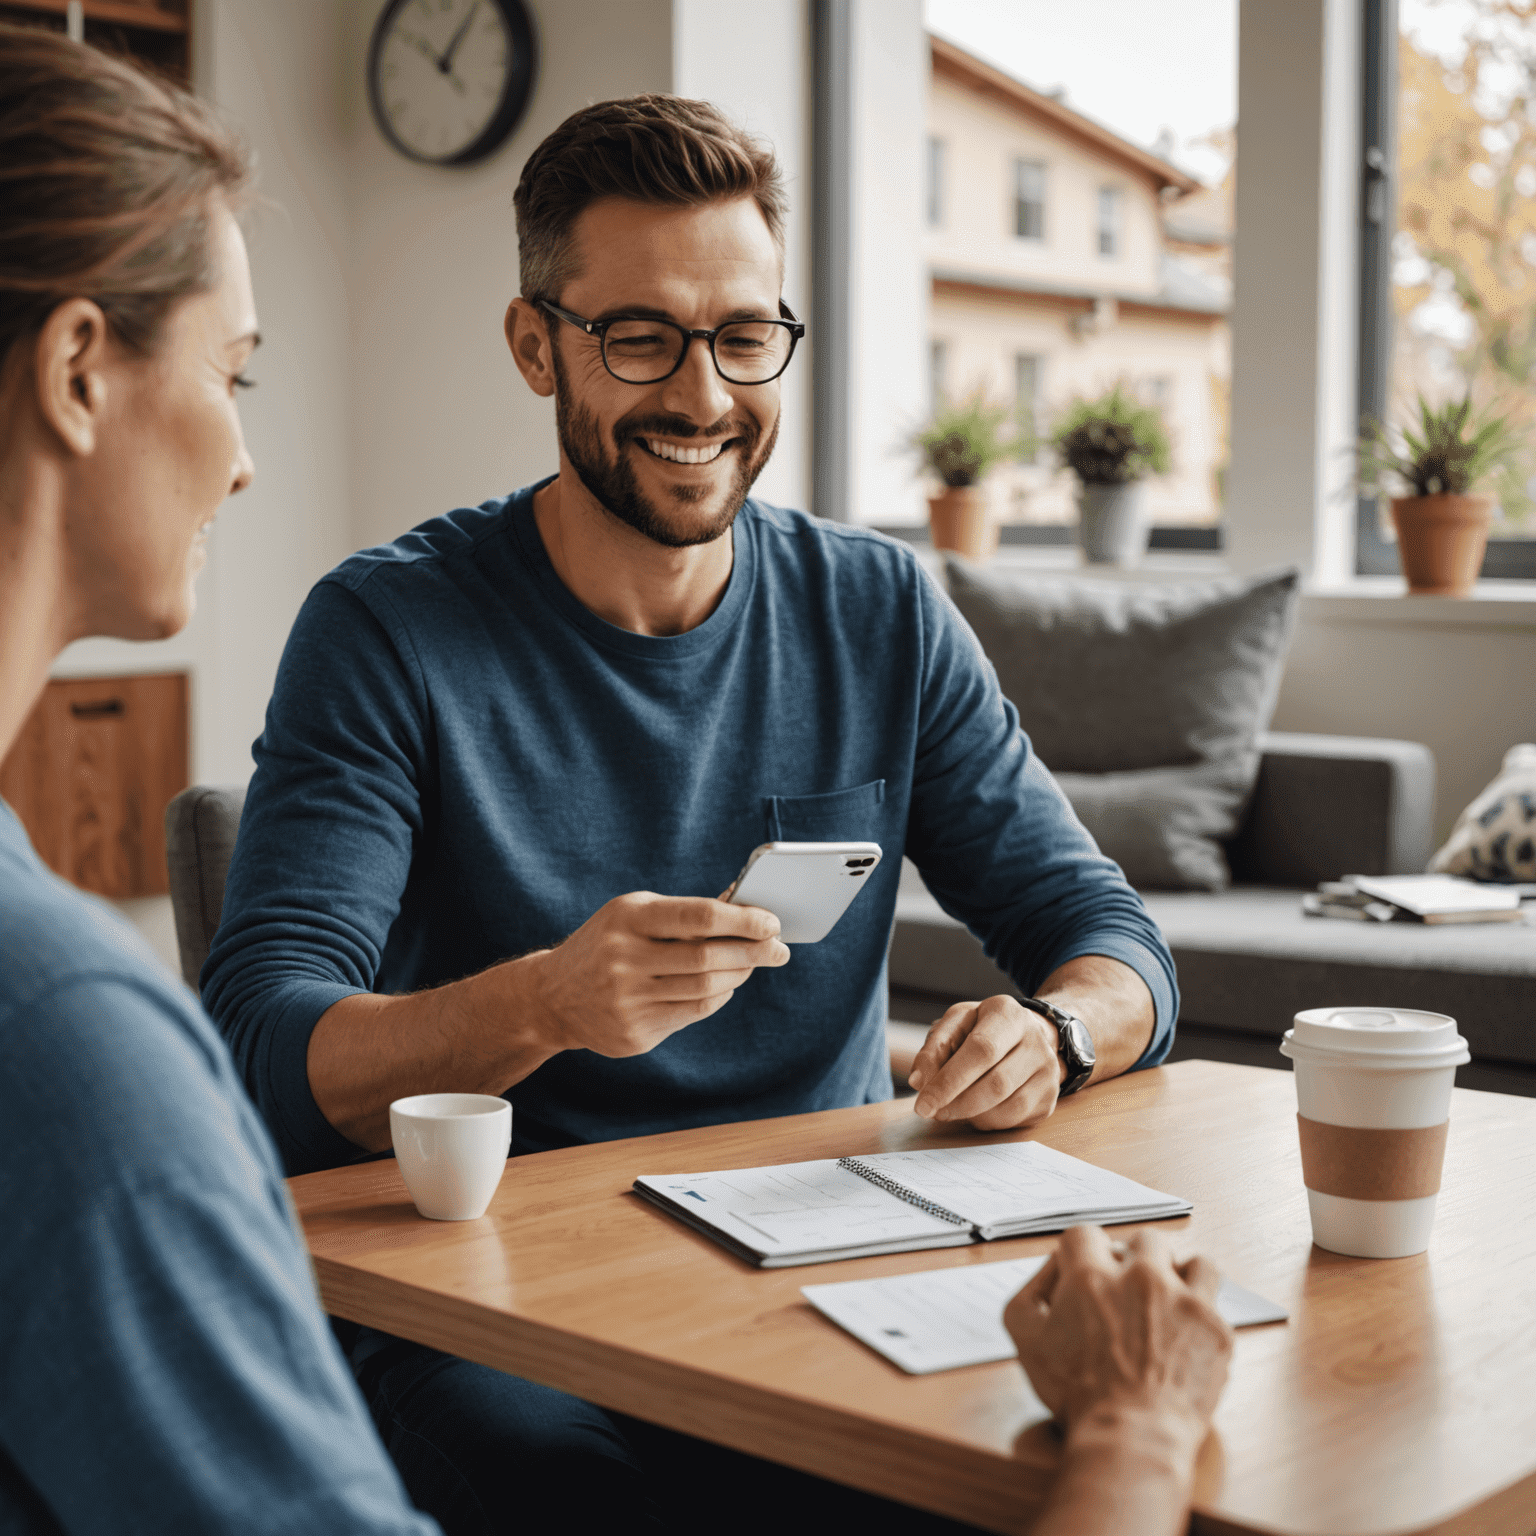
(1029, 200)
(1455, 196)
(1020, 89)
(937, 367)
(935, 181)
(1109, 221)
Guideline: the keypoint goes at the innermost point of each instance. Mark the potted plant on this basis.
(961, 445)
(1441, 521)
(1112, 444)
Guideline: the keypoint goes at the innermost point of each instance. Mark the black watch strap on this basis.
(1073, 1042)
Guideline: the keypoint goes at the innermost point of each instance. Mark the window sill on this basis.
(1385, 601)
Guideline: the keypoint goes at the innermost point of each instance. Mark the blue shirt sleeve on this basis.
(167, 1366)
(331, 820)
(998, 844)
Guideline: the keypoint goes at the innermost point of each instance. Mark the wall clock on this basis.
(448, 80)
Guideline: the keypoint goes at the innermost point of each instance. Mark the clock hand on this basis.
(420, 44)
(445, 64)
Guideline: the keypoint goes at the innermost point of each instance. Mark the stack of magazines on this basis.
(1417, 899)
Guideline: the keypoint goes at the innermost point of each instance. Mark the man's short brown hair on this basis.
(653, 149)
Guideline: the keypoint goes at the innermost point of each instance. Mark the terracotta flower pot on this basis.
(958, 521)
(1440, 541)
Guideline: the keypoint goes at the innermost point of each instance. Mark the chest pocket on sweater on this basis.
(843, 816)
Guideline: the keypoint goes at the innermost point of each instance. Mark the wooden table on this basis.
(1401, 1396)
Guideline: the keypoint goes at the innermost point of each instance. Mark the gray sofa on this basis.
(1248, 960)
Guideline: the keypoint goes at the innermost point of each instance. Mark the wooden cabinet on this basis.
(153, 32)
(91, 774)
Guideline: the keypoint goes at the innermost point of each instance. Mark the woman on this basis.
(166, 1365)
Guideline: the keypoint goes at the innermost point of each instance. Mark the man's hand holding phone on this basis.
(644, 966)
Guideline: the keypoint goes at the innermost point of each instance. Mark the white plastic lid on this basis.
(1378, 1036)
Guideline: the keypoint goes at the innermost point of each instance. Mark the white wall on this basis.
(386, 391)
(888, 283)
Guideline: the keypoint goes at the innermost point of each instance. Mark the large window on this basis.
(1449, 235)
(1104, 156)
(1029, 200)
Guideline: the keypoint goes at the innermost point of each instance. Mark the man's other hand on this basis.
(644, 966)
(992, 1063)
(1108, 1329)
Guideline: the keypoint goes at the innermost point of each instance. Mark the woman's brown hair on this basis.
(105, 181)
(653, 149)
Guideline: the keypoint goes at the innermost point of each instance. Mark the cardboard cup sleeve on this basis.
(1358, 1164)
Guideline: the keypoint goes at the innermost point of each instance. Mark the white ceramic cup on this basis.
(452, 1150)
(1373, 1071)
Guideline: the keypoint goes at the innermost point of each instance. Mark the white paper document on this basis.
(941, 1319)
(1437, 895)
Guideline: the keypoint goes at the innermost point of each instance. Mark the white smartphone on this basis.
(807, 886)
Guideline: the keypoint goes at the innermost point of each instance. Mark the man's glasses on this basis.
(648, 351)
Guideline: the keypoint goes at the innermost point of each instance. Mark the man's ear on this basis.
(70, 358)
(528, 336)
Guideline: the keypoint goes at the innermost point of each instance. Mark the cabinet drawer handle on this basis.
(97, 710)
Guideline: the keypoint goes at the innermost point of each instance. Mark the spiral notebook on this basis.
(894, 1202)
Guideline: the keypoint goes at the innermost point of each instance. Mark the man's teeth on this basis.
(683, 455)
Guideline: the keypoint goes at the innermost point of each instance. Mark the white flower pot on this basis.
(1112, 522)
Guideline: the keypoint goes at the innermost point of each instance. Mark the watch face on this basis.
(1082, 1041)
(448, 79)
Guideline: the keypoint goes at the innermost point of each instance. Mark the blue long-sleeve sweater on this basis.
(461, 763)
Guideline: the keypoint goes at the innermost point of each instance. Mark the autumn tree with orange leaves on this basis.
(1466, 219)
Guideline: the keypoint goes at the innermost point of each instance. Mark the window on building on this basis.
(1448, 238)
(1028, 389)
(935, 180)
(938, 358)
(1029, 199)
(1110, 199)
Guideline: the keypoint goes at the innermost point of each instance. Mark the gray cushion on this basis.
(1326, 806)
(1146, 701)
(200, 828)
(1249, 961)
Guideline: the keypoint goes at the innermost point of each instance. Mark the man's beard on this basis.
(611, 481)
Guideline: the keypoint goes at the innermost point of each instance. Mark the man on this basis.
(511, 757)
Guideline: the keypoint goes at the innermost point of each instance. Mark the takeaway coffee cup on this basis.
(452, 1150)
(1373, 1087)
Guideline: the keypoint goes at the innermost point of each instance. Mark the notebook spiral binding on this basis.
(864, 1171)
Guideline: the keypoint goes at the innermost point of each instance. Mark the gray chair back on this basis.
(200, 828)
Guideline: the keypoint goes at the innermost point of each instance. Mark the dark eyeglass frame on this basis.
(599, 329)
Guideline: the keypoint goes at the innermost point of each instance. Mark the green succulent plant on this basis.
(1111, 440)
(964, 441)
(1452, 450)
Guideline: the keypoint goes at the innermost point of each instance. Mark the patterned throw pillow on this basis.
(1495, 837)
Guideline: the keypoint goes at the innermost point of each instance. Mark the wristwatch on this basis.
(1073, 1041)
